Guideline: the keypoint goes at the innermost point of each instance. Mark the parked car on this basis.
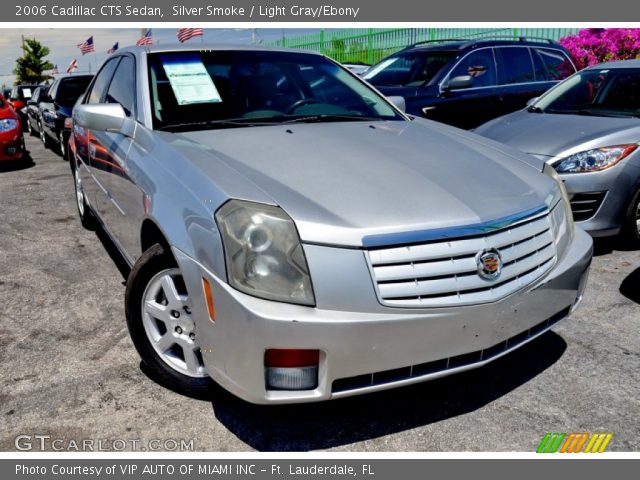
(468, 82)
(297, 238)
(588, 129)
(55, 110)
(20, 94)
(11, 138)
(33, 111)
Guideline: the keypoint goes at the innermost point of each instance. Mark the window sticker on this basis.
(26, 92)
(190, 80)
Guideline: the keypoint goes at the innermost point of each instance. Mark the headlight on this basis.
(23, 110)
(594, 160)
(560, 215)
(8, 124)
(263, 253)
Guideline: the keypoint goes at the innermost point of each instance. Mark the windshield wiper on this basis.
(334, 118)
(213, 124)
(593, 113)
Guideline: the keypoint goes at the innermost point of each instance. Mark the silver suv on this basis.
(295, 237)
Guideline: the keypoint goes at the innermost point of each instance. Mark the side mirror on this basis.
(106, 117)
(531, 101)
(399, 102)
(460, 82)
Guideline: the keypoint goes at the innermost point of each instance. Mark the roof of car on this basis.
(460, 44)
(207, 47)
(617, 64)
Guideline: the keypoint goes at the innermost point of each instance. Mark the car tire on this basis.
(631, 227)
(160, 324)
(87, 218)
(64, 148)
(46, 143)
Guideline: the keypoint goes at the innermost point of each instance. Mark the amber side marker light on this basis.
(206, 286)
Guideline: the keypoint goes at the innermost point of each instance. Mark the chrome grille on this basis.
(444, 273)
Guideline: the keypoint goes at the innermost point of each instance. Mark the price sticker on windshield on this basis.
(190, 81)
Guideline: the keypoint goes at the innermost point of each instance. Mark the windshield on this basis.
(606, 92)
(205, 89)
(409, 69)
(71, 88)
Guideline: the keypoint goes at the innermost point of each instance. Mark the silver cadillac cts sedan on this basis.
(295, 237)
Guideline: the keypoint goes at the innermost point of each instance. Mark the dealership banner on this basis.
(372, 469)
(318, 11)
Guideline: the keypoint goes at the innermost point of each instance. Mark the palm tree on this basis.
(31, 66)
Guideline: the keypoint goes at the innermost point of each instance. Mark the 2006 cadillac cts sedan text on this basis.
(295, 237)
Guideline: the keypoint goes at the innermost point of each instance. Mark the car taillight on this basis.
(291, 369)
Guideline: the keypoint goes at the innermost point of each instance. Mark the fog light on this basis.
(291, 369)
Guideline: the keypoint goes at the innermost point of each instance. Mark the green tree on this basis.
(31, 66)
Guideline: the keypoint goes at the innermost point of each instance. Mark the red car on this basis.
(11, 138)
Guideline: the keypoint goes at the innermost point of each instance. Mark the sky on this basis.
(63, 43)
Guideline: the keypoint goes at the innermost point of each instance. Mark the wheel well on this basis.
(150, 235)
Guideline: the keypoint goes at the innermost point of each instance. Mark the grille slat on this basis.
(445, 273)
(585, 205)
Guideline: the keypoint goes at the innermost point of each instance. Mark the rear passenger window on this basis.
(558, 64)
(122, 88)
(480, 65)
(514, 65)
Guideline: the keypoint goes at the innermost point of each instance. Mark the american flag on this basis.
(54, 71)
(185, 34)
(72, 66)
(113, 49)
(147, 39)
(87, 46)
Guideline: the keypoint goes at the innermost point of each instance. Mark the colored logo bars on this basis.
(574, 443)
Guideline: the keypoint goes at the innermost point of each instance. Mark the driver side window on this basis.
(480, 65)
(102, 82)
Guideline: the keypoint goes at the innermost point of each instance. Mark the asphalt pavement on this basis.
(70, 372)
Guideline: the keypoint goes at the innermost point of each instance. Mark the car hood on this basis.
(550, 135)
(342, 182)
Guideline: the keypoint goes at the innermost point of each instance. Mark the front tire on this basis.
(631, 227)
(46, 143)
(87, 217)
(158, 312)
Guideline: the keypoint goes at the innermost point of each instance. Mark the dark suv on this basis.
(466, 83)
(55, 108)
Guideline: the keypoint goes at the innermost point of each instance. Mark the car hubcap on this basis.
(62, 146)
(638, 218)
(79, 192)
(167, 321)
(41, 132)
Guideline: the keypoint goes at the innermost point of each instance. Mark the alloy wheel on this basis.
(167, 321)
(79, 192)
(638, 218)
(63, 147)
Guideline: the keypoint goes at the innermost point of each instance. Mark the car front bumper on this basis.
(614, 186)
(364, 351)
(11, 146)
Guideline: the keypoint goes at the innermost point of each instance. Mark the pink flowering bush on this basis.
(596, 45)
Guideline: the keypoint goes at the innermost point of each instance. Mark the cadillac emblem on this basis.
(489, 263)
